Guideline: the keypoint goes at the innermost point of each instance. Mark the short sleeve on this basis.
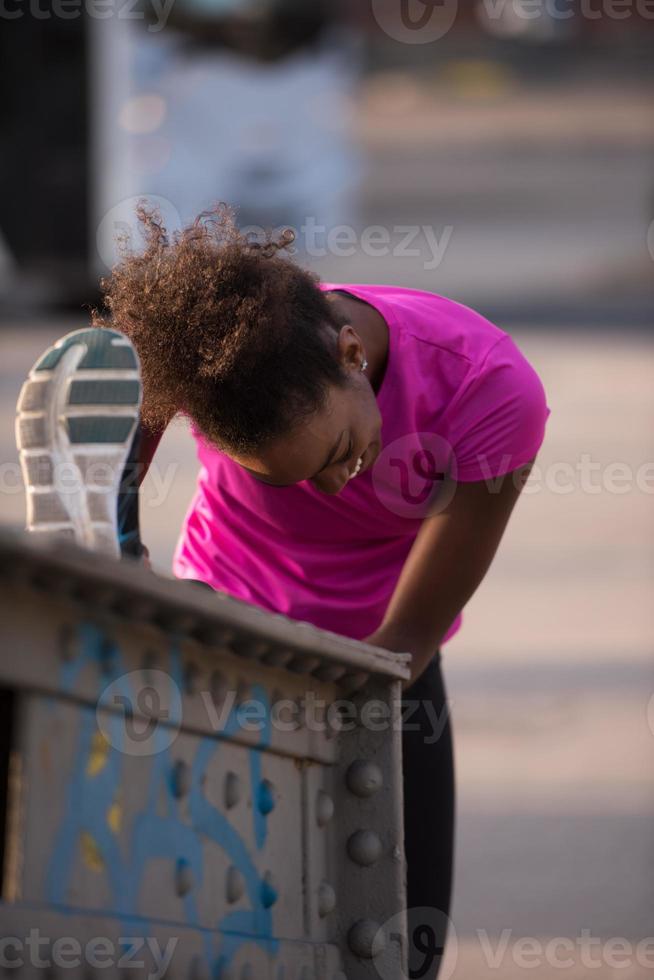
(496, 422)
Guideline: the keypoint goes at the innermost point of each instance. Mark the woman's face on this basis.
(325, 449)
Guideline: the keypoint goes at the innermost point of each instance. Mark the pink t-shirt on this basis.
(457, 396)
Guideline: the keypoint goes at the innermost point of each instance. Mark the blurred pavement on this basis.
(548, 194)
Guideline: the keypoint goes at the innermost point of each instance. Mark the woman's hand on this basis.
(389, 639)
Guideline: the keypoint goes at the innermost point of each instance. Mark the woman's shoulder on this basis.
(430, 319)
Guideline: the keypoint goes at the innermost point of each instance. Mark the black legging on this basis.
(428, 775)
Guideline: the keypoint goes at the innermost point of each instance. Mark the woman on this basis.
(361, 449)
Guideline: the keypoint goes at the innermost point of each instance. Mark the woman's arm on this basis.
(148, 445)
(449, 558)
(129, 533)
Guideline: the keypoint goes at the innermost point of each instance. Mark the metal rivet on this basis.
(176, 621)
(324, 808)
(364, 847)
(218, 686)
(192, 676)
(266, 797)
(282, 711)
(269, 893)
(198, 969)
(106, 656)
(278, 658)
(181, 778)
(12, 960)
(232, 790)
(235, 885)
(250, 647)
(320, 715)
(104, 596)
(364, 778)
(353, 681)
(183, 877)
(139, 608)
(330, 672)
(214, 636)
(304, 664)
(326, 899)
(67, 642)
(337, 716)
(366, 939)
(150, 663)
(51, 972)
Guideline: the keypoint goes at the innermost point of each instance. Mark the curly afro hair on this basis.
(227, 330)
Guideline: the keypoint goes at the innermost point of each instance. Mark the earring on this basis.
(364, 364)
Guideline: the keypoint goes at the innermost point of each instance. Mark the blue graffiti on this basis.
(158, 830)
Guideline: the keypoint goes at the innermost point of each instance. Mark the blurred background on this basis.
(500, 152)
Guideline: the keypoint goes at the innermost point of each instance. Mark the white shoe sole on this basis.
(77, 414)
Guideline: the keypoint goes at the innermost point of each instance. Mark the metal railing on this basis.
(190, 783)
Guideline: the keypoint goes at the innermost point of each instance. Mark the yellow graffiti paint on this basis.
(91, 853)
(98, 755)
(115, 816)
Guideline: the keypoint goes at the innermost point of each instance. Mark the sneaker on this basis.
(78, 431)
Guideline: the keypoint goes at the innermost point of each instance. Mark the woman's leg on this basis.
(428, 771)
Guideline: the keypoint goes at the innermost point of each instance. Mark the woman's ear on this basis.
(350, 347)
